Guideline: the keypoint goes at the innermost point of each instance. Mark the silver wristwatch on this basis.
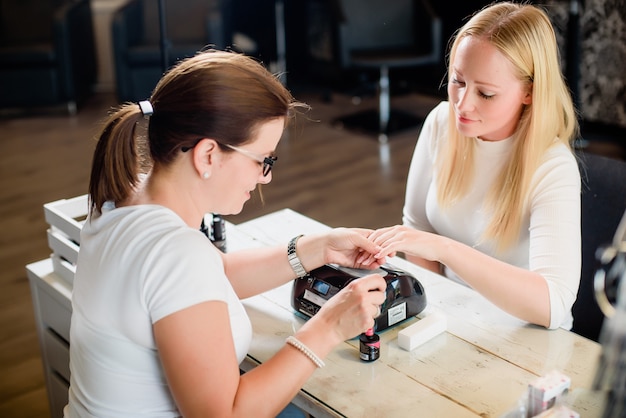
(292, 256)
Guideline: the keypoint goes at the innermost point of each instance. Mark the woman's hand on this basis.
(350, 247)
(351, 311)
(404, 239)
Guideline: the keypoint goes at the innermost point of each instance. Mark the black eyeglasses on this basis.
(268, 162)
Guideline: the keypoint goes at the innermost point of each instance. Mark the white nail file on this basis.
(423, 330)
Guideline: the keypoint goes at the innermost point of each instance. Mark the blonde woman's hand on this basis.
(351, 247)
(400, 238)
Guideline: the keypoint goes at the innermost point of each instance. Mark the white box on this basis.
(543, 391)
(421, 331)
(63, 268)
(68, 215)
(61, 245)
(66, 218)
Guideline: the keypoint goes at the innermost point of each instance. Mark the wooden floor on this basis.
(336, 176)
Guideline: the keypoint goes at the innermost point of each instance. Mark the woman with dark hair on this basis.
(158, 329)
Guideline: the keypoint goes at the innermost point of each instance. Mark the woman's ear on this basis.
(204, 157)
(528, 98)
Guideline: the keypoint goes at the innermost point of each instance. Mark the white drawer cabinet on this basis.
(51, 288)
(53, 308)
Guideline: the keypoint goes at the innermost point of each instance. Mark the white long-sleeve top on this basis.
(549, 242)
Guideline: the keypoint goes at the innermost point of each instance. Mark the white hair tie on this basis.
(146, 108)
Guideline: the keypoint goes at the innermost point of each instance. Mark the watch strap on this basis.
(292, 256)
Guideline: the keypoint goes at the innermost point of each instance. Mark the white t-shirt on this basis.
(135, 266)
(550, 239)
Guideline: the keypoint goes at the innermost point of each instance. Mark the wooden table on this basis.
(481, 366)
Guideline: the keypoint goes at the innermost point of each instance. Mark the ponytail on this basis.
(116, 163)
(214, 94)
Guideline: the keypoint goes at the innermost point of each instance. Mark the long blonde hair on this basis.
(524, 34)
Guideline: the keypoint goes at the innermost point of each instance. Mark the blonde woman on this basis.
(493, 190)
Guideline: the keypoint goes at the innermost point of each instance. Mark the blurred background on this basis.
(371, 71)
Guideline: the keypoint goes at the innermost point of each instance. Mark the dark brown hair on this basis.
(221, 95)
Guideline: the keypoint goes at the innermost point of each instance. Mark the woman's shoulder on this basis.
(559, 166)
(559, 154)
(151, 223)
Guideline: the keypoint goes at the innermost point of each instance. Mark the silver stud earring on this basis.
(205, 175)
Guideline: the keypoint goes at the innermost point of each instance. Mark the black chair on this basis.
(381, 37)
(603, 203)
(47, 53)
(191, 25)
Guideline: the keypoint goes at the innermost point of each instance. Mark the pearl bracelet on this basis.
(293, 341)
